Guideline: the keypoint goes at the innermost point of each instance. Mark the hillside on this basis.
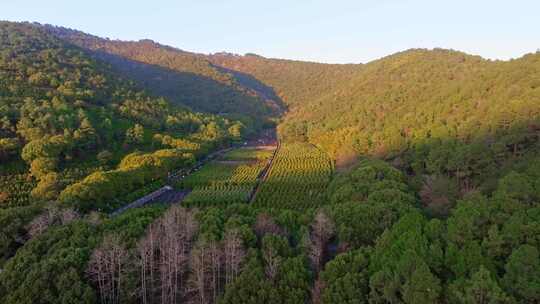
(410, 107)
(295, 82)
(381, 108)
(411, 179)
(65, 115)
(185, 78)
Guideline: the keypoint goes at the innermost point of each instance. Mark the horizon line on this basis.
(210, 53)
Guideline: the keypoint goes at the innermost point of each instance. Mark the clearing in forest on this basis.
(297, 178)
(230, 179)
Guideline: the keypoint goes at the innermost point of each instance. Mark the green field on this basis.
(248, 154)
(225, 181)
(15, 190)
(297, 179)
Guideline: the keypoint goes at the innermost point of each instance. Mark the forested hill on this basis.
(64, 115)
(382, 108)
(386, 105)
(435, 198)
(438, 113)
(405, 98)
(185, 78)
(295, 82)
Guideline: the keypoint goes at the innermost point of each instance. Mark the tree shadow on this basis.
(197, 92)
(256, 85)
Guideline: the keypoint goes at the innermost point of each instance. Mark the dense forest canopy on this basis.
(414, 178)
(185, 78)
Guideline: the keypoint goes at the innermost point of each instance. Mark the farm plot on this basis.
(225, 182)
(297, 178)
(246, 154)
(15, 190)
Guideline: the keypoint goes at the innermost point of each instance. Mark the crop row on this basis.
(217, 195)
(15, 190)
(222, 182)
(243, 154)
(297, 179)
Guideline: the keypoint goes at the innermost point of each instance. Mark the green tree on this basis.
(422, 287)
(345, 279)
(104, 157)
(42, 166)
(522, 277)
(135, 134)
(481, 288)
(48, 187)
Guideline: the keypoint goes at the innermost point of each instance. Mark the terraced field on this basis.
(297, 178)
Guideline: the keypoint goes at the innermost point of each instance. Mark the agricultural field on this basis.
(246, 154)
(297, 178)
(15, 190)
(228, 180)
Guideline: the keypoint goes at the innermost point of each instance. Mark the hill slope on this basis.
(388, 105)
(454, 218)
(185, 78)
(60, 108)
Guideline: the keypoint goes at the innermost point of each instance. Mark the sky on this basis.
(332, 31)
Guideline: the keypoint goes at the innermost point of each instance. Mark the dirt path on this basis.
(263, 175)
(173, 196)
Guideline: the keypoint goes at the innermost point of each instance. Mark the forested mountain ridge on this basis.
(377, 106)
(427, 110)
(184, 77)
(380, 108)
(436, 199)
(419, 92)
(295, 82)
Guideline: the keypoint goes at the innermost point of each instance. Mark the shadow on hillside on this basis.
(474, 163)
(199, 93)
(253, 83)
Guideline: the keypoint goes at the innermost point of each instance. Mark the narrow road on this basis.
(168, 195)
(263, 175)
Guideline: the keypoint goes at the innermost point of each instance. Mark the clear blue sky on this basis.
(326, 31)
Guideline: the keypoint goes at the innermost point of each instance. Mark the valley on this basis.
(137, 172)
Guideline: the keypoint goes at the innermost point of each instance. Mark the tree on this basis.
(522, 277)
(481, 288)
(163, 256)
(104, 157)
(42, 222)
(42, 166)
(345, 279)
(234, 254)
(135, 134)
(48, 187)
(147, 260)
(438, 195)
(265, 224)
(422, 287)
(48, 269)
(204, 265)
(107, 269)
(322, 229)
(251, 286)
(235, 131)
(85, 136)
